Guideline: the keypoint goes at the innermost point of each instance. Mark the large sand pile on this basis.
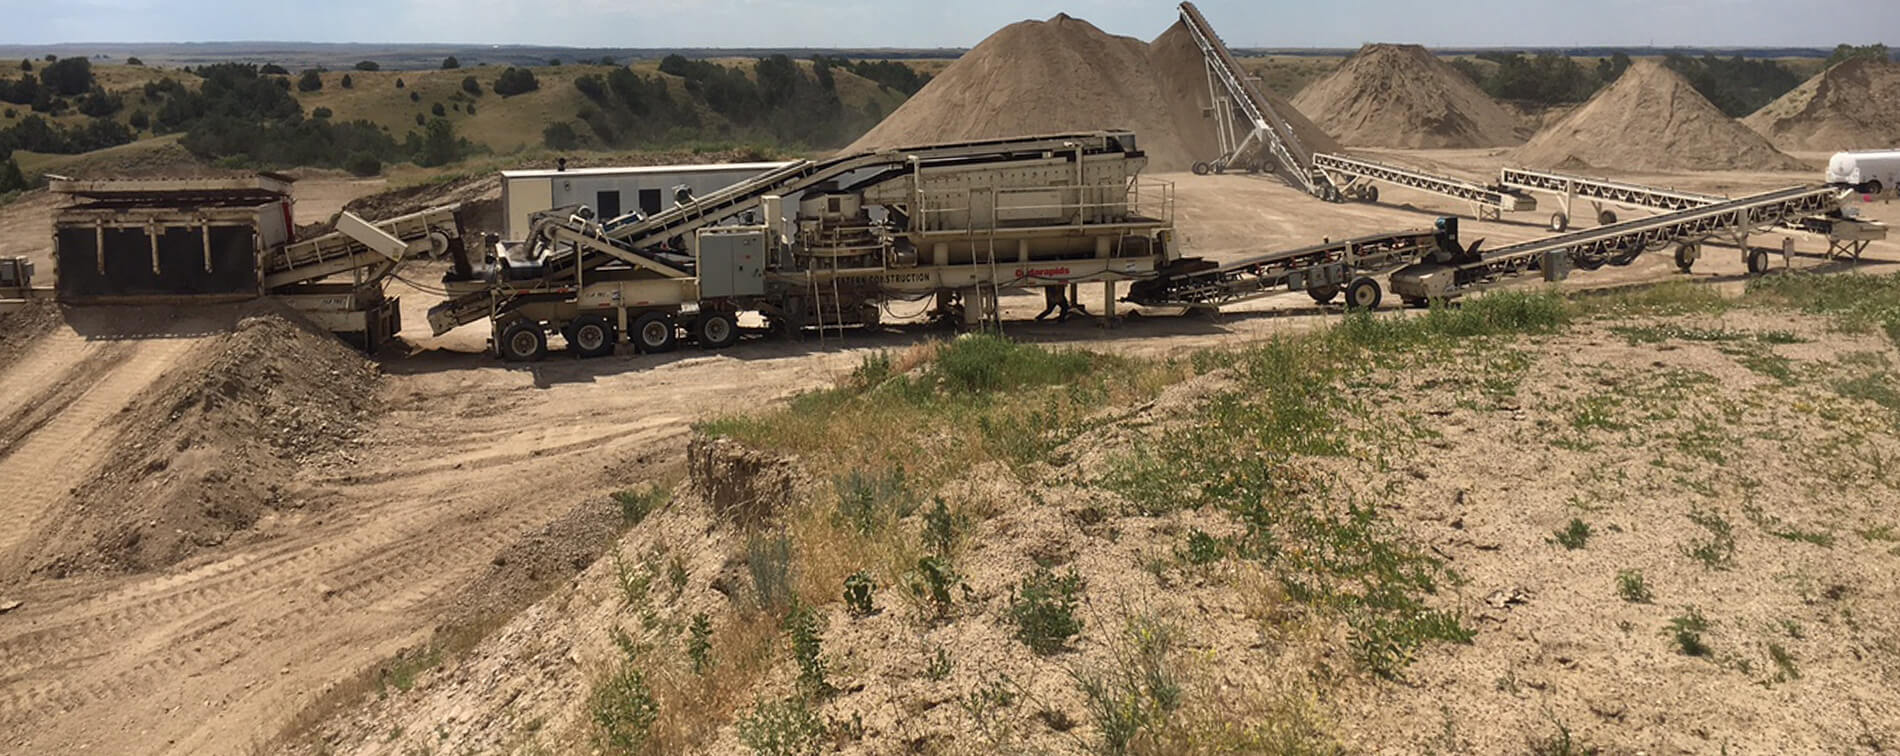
(1854, 105)
(1403, 96)
(1064, 74)
(1652, 119)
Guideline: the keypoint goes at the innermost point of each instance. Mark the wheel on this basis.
(591, 336)
(1686, 255)
(1370, 194)
(1324, 294)
(1363, 294)
(523, 341)
(1758, 261)
(1559, 222)
(1874, 188)
(715, 329)
(654, 333)
(1202, 168)
(1606, 218)
(1417, 303)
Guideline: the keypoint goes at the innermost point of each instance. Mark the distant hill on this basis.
(411, 57)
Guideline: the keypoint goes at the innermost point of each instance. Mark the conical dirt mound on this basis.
(1064, 74)
(1854, 105)
(1403, 96)
(1652, 119)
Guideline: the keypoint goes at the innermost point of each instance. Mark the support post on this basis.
(1108, 304)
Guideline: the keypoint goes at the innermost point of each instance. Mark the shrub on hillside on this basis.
(515, 81)
(139, 120)
(272, 69)
(471, 86)
(560, 135)
(368, 65)
(134, 61)
(68, 77)
(321, 113)
(363, 164)
(347, 83)
(310, 81)
(437, 110)
(450, 62)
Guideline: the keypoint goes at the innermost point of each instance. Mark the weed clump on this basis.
(857, 594)
(784, 727)
(1686, 630)
(636, 504)
(1574, 535)
(1632, 587)
(1043, 609)
(623, 710)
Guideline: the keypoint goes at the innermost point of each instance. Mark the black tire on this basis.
(523, 341)
(654, 333)
(1606, 218)
(1364, 294)
(1559, 222)
(1625, 256)
(715, 329)
(1202, 168)
(1324, 294)
(1686, 255)
(1874, 188)
(1758, 261)
(1371, 194)
(591, 336)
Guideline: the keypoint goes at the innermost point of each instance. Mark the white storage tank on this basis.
(1872, 172)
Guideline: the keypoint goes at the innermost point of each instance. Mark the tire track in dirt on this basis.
(383, 561)
(43, 468)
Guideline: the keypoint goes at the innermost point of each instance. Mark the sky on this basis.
(953, 23)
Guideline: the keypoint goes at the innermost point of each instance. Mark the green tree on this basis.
(515, 81)
(450, 62)
(471, 86)
(134, 61)
(68, 76)
(347, 83)
(1844, 53)
(274, 69)
(438, 111)
(439, 145)
(368, 65)
(26, 65)
(310, 81)
(11, 180)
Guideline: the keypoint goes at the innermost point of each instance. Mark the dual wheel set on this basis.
(525, 340)
(1561, 222)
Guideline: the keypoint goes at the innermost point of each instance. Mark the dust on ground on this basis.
(1404, 96)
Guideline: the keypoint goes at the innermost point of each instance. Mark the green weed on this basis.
(1043, 608)
(1133, 698)
(699, 643)
(807, 630)
(636, 504)
(858, 590)
(623, 710)
(1632, 587)
(1717, 551)
(769, 562)
(1687, 629)
(1574, 535)
(784, 727)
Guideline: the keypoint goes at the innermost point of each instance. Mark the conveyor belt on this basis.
(1616, 244)
(1268, 128)
(1352, 169)
(337, 252)
(1322, 269)
(1638, 195)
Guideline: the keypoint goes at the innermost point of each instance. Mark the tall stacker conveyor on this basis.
(1449, 275)
(1230, 87)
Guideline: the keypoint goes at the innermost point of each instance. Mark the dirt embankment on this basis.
(1403, 96)
(1855, 105)
(1064, 74)
(212, 445)
(1652, 119)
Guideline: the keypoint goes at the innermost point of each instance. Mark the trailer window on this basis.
(650, 201)
(607, 204)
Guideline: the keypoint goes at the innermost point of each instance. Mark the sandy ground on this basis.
(222, 652)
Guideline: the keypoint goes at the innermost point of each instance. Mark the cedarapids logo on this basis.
(1041, 272)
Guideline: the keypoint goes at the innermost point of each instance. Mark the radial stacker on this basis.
(1322, 271)
(1238, 104)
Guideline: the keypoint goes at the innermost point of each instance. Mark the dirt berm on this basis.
(1403, 96)
(213, 445)
(1652, 119)
(1855, 105)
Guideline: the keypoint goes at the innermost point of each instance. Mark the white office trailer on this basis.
(612, 192)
